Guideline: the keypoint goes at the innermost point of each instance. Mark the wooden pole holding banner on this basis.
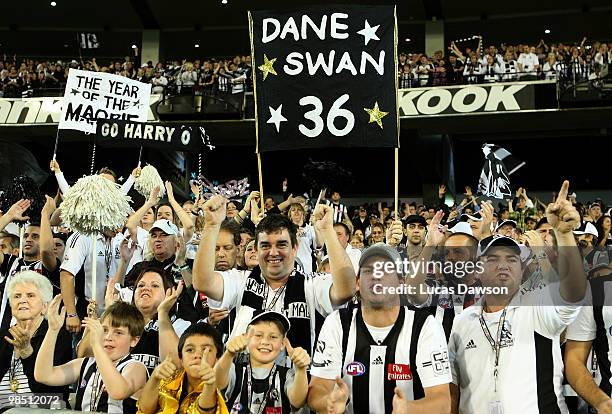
(261, 193)
(139, 156)
(55, 147)
(396, 184)
(94, 265)
(21, 237)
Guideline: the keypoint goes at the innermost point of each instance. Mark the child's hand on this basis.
(95, 330)
(92, 309)
(206, 372)
(299, 356)
(338, 397)
(164, 370)
(237, 344)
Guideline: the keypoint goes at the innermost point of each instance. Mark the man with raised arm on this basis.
(275, 284)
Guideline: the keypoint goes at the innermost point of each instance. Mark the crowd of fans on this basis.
(31, 77)
(578, 62)
(213, 305)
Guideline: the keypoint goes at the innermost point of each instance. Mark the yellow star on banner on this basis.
(267, 67)
(376, 115)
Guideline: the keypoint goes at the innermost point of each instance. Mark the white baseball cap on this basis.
(166, 226)
(586, 228)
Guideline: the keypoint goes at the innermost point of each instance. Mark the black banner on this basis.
(118, 133)
(325, 77)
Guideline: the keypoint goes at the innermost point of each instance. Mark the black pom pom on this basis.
(23, 187)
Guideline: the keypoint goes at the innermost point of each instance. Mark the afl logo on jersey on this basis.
(355, 369)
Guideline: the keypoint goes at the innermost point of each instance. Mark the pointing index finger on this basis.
(563, 192)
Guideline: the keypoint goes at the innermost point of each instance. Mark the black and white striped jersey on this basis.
(411, 354)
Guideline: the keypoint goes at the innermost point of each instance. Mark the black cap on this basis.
(542, 221)
(415, 218)
(269, 314)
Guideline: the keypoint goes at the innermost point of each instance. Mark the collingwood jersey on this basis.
(91, 393)
(528, 333)
(258, 390)
(411, 355)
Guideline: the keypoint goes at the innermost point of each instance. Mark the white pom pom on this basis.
(149, 179)
(95, 205)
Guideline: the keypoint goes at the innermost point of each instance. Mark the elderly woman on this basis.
(29, 294)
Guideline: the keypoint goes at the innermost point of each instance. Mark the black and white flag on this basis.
(495, 175)
(89, 41)
(325, 77)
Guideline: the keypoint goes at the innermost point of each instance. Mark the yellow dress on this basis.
(170, 391)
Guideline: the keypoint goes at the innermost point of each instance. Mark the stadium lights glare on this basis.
(547, 31)
(407, 39)
(196, 45)
(53, 4)
(223, 1)
(134, 46)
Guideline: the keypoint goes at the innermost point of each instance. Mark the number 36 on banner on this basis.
(336, 111)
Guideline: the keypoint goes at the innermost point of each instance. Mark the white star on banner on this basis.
(368, 32)
(276, 117)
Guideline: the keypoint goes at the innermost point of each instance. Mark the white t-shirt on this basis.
(529, 62)
(78, 261)
(584, 329)
(354, 255)
(139, 254)
(431, 358)
(529, 340)
(316, 289)
(307, 242)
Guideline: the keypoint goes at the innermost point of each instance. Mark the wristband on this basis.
(72, 315)
(207, 409)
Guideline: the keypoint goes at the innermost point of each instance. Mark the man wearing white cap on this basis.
(587, 237)
(506, 322)
(506, 228)
(164, 243)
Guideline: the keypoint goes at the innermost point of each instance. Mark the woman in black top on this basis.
(29, 294)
